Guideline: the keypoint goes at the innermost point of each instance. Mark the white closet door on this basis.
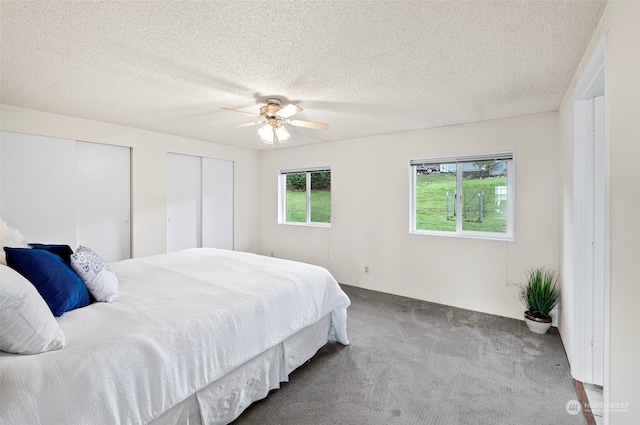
(217, 203)
(38, 187)
(104, 199)
(184, 176)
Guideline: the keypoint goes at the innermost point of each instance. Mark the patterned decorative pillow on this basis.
(96, 274)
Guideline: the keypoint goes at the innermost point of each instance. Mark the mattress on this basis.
(182, 322)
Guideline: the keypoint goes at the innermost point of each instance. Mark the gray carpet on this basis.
(414, 362)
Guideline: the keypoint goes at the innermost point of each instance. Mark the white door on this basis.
(62, 191)
(590, 241)
(184, 176)
(199, 202)
(103, 196)
(599, 240)
(217, 203)
(38, 187)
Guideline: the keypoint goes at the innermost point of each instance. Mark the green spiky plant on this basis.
(540, 294)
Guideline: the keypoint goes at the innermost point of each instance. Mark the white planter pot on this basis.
(537, 325)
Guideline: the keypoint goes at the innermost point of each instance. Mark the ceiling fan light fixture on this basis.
(269, 133)
(282, 133)
(266, 133)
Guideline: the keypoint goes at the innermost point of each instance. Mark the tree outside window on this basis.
(307, 196)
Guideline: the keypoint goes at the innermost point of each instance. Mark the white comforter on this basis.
(180, 322)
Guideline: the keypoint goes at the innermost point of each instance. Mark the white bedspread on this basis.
(180, 322)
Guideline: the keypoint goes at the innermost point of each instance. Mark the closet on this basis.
(199, 202)
(67, 192)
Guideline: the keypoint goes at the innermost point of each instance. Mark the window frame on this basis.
(282, 196)
(508, 235)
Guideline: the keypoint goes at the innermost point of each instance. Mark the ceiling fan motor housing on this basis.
(273, 105)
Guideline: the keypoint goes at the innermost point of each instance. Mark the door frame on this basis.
(592, 84)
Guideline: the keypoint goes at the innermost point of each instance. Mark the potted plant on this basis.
(539, 295)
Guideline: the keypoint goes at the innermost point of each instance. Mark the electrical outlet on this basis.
(366, 269)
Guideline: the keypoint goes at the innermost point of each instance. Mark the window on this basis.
(305, 196)
(485, 207)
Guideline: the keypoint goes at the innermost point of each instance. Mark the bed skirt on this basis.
(225, 399)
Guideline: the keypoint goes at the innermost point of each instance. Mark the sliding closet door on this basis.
(103, 199)
(67, 192)
(38, 191)
(199, 202)
(184, 176)
(217, 203)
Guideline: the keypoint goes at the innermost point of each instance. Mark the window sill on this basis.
(322, 225)
(466, 235)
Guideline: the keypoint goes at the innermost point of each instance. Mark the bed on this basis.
(193, 337)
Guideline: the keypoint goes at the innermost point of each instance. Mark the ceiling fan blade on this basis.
(242, 112)
(309, 124)
(249, 124)
(289, 111)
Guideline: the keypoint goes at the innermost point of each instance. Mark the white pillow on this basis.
(28, 326)
(10, 237)
(96, 274)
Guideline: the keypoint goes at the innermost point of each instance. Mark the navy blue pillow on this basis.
(57, 283)
(62, 251)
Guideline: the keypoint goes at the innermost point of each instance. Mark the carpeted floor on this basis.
(414, 362)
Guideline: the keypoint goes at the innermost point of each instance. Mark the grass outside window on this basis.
(464, 198)
(307, 197)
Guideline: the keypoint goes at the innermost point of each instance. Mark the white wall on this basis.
(370, 214)
(148, 171)
(621, 23)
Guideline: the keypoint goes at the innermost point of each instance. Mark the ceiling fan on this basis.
(275, 116)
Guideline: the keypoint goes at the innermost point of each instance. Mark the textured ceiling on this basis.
(364, 67)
